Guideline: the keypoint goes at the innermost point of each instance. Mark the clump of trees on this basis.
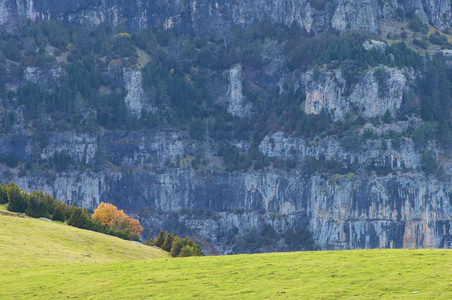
(119, 223)
(106, 218)
(177, 246)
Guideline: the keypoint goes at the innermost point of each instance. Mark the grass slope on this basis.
(358, 274)
(26, 242)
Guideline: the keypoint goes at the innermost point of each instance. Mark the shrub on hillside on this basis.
(18, 201)
(176, 245)
(187, 251)
(438, 39)
(58, 213)
(422, 43)
(36, 208)
(417, 25)
(3, 195)
(149, 242)
(81, 219)
(118, 233)
(68, 211)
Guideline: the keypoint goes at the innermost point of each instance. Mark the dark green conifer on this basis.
(168, 242)
(160, 239)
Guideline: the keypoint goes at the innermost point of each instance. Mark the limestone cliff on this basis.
(208, 16)
(328, 93)
(135, 99)
(175, 175)
(237, 105)
(343, 212)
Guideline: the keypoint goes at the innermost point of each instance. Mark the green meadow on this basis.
(44, 260)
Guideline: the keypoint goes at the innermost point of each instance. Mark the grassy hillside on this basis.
(27, 242)
(34, 263)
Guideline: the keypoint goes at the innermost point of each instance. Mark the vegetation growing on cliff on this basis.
(87, 92)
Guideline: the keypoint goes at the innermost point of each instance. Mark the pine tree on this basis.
(3, 195)
(168, 242)
(17, 201)
(160, 239)
(176, 246)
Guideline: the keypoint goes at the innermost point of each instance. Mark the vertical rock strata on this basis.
(237, 105)
(350, 211)
(207, 15)
(135, 94)
(329, 93)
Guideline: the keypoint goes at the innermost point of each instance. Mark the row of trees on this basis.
(177, 246)
(106, 218)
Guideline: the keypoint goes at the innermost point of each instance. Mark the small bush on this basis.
(429, 163)
(118, 233)
(417, 25)
(438, 39)
(351, 176)
(36, 207)
(149, 242)
(420, 43)
(58, 214)
(81, 219)
(187, 251)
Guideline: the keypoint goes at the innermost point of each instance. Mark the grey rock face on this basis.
(208, 16)
(369, 153)
(381, 46)
(356, 15)
(237, 105)
(389, 212)
(439, 12)
(36, 75)
(140, 171)
(135, 94)
(343, 212)
(328, 93)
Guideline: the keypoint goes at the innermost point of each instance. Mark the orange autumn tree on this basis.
(108, 214)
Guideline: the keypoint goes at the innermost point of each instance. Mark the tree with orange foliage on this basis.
(108, 214)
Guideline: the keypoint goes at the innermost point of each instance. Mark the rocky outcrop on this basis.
(374, 99)
(439, 12)
(135, 95)
(237, 105)
(328, 93)
(37, 75)
(369, 153)
(356, 15)
(208, 16)
(371, 44)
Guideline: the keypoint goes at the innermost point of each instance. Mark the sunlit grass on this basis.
(27, 242)
(357, 274)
